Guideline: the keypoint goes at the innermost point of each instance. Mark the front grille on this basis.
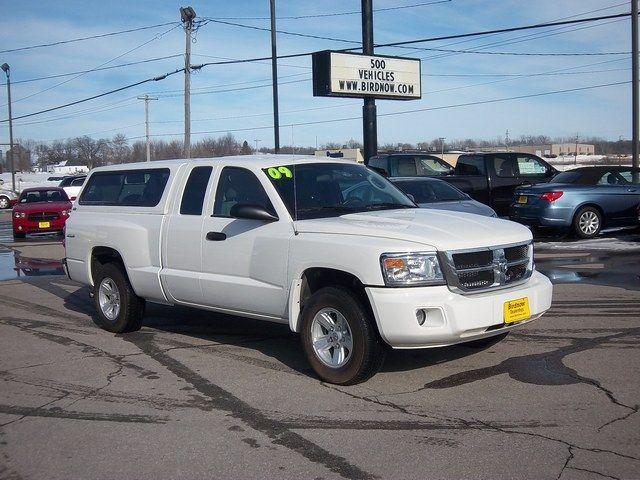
(483, 269)
(42, 216)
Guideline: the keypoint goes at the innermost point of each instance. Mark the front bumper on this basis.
(32, 226)
(451, 318)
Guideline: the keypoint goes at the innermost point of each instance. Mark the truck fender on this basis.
(294, 305)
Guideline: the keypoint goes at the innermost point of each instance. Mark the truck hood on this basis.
(438, 229)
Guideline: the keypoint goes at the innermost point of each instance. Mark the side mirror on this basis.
(252, 212)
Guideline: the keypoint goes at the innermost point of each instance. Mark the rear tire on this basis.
(4, 203)
(339, 337)
(587, 222)
(118, 308)
(486, 342)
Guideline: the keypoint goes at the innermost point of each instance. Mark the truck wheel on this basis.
(118, 308)
(587, 222)
(339, 337)
(486, 342)
(4, 203)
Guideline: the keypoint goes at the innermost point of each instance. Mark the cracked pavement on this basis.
(201, 395)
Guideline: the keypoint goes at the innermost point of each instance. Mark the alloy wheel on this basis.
(589, 222)
(109, 299)
(331, 338)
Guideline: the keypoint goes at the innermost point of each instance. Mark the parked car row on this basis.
(526, 188)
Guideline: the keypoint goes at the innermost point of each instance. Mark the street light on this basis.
(7, 70)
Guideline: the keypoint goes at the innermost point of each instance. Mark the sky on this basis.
(237, 98)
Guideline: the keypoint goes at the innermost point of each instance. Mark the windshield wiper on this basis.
(327, 208)
(387, 205)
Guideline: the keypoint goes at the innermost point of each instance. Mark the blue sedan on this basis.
(430, 192)
(584, 200)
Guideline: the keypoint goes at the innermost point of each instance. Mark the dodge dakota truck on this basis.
(290, 239)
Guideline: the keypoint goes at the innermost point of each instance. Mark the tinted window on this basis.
(615, 177)
(126, 188)
(36, 196)
(470, 165)
(530, 166)
(195, 191)
(77, 182)
(430, 192)
(333, 189)
(630, 176)
(418, 166)
(505, 166)
(378, 162)
(568, 177)
(239, 186)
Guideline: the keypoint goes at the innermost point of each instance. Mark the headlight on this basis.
(411, 269)
(19, 215)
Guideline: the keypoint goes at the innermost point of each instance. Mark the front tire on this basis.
(587, 222)
(118, 308)
(339, 337)
(4, 203)
(19, 235)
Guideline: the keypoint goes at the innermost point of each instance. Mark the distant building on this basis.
(353, 154)
(555, 149)
(64, 169)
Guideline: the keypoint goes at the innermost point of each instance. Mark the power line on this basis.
(121, 65)
(338, 14)
(444, 37)
(102, 35)
(157, 37)
(403, 112)
(153, 79)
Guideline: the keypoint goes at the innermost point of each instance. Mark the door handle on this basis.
(632, 189)
(216, 236)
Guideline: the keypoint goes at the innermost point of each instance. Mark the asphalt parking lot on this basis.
(199, 395)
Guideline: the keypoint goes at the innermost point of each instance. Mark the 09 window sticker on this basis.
(278, 172)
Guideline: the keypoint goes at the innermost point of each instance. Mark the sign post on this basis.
(369, 116)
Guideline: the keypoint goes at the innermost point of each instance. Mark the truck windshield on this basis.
(333, 189)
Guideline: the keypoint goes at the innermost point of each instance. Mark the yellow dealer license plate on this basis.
(44, 224)
(516, 310)
(522, 199)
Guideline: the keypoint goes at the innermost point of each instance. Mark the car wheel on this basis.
(339, 337)
(4, 203)
(118, 308)
(587, 222)
(486, 342)
(19, 235)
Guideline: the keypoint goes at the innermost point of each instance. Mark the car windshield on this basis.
(431, 191)
(567, 177)
(37, 196)
(333, 189)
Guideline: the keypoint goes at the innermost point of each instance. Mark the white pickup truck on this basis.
(328, 246)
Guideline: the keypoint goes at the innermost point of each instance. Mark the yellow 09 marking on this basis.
(277, 172)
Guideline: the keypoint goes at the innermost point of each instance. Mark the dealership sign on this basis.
(338, 74)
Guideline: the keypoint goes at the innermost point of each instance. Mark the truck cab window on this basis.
(505, 166)
(470, 165)
(530, 166)
(239, 186)
(195, 191)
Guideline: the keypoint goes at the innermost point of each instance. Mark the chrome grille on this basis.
(470, 271)
(40, 216)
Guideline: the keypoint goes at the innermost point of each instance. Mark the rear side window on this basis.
(470, 165)
(142, 188)
(78, 182)
(195, 191)
(239, 186)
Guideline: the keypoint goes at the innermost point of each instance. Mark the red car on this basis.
(43, 209)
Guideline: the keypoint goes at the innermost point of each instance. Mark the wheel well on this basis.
(592, 205)
(313, 279)
(103, 255)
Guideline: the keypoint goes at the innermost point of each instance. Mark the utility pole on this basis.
(7, 70)
(369, 120)
(274, 77)
(506, 139)
(146, 99)
(634, 85)
(256, 140)
(187, 14)
(575, 162)
(442, 139)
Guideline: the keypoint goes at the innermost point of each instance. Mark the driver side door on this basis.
(244, 262)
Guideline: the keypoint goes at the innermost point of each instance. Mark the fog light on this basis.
(20, 228)
(421, 316)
